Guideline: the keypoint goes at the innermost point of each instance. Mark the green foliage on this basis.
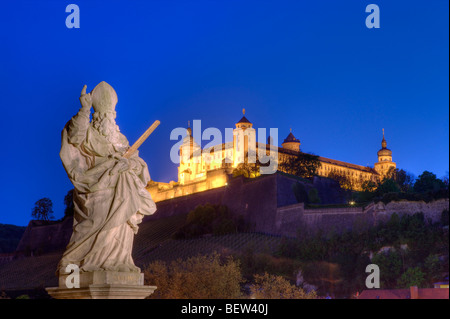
(345, 182)
(269, 286)
(412, 277)
(210, 219)
(368, 191)
(43, 209)
(248, 170)
(336, 262)
(399, 185)
(433, 267)
(257, 263)
(303, 165)
(404, 180)
(252, 170)
(391, 267)
(201, 277)
(427, 182)
(387, 186)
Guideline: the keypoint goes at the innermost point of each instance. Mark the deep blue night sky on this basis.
(309, 65)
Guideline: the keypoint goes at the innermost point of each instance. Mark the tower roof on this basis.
(384, 150)
(383, 142)
(189, 138)
(244, 119)
(291, 139)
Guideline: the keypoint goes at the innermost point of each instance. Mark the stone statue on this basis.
(109, 197)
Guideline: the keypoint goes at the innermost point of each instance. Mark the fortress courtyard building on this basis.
(203, 169)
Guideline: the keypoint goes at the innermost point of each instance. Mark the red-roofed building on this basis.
(412, 293)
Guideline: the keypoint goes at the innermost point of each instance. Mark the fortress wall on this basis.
(285, 194)
(184, 204)
(329, 191)
(40, 237)
(266, 203)
(255, 200)
(432, 210)
(295, 218)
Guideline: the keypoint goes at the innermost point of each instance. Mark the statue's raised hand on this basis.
(85, 99)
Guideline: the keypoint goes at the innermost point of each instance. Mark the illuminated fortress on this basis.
(201, 169)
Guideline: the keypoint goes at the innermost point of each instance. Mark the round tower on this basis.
(291, 143)
(385, 162)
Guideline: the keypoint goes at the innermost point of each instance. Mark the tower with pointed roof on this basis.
(385, 162)
(244, 140)
(291, 142)
(190, 158)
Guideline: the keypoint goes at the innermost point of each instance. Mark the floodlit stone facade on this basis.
(204, 169)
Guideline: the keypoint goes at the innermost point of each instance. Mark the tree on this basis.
(412, 277)
(391, 265)
(369, 186)
(276, 287)
(303, 165)
(388, 186)
(248, 170)
(427, 182)
(43, 209)
(404, 180)
(367, 192)
(68, 202)
(252, 170)
(345, 182)
(201, 277)
(446, 180)
(432, 267)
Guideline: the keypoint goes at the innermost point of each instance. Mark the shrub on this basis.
(412, 277)
(276, 287)
(258, 263)
(391, 265)
(201, 277)
(432, 266)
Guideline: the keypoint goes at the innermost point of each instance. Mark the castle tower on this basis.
(190, 159)
(384, 159)
(291, 143)
(244, 140)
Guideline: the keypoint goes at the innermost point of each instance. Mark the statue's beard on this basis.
(106, 126)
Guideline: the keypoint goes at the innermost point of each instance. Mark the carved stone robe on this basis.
(108, 206)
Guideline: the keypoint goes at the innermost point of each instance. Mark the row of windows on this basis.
(329, 169)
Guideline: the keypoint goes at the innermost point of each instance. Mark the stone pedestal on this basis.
(104, 285)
